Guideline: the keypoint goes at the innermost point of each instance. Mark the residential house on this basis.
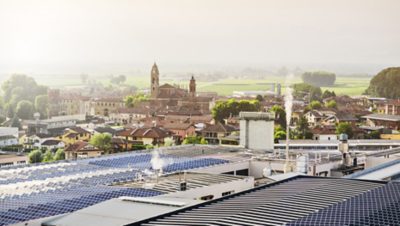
(387, 121)
(13, 159)
(107, 129)
(8, 136)
(73, 134)
(54, 126)
(313, 117)
(52, 144)
(339, 117)
(123, 144)
(81, 149)
(181, 130)
(8, 140)
(388, 107)
(324, 133)
(126, 115)
(214, 133)
(146, 135)
(104, 106)
(33, 141)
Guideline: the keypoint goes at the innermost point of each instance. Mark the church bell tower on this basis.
(192, 87)
(154, 81)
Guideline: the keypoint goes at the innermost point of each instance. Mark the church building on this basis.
(175, 99)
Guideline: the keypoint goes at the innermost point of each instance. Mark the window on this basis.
(227, 193)
(207, 197)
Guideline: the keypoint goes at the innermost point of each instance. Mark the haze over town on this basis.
(105, 36)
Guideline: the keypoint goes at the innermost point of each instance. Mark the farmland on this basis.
(343, 85)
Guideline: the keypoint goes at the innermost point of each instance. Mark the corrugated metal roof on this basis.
(280, 203)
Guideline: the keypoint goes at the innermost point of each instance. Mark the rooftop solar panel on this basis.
(41, 190)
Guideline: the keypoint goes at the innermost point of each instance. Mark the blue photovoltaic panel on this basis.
(377, 207)
(84, 185)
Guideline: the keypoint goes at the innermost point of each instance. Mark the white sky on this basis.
(88, 35)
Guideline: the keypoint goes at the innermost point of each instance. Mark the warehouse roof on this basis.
(301, 200)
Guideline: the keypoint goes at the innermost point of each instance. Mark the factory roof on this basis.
(379, 172)
(42, 190)
(170, 183)
(301, 200)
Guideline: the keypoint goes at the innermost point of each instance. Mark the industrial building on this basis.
(238, 185)
(300, 200)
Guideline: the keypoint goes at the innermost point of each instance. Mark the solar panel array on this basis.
(379, 206)
(42, 190)
(299, 201)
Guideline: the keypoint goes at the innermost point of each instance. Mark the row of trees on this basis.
(22, 97)
(319, 78)
(118, 79)
(232, 107)
(385, 84)
(310, 92)
(37, 156)
(133, 100)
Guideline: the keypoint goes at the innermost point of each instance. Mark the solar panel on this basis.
(42, 190)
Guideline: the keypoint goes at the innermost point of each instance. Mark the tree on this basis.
(331, 104)
(279, 134)
(21, 87)
(1, 104)
(386, 84)
(315, 104)
(35, 156)
(15, 122)
(203, 141)
(232, 107)
(42, 105)
(132, 100)
(59, 155)
(9, 110)
(118, 79)
(328, 94)
(25, 109)
(259, 98)
(194, 140)
(102, 141)
(2, 119)
(346, 128)
(168, 142)
(374, 135)
(48, 156)
(319, 78)
(302, 130)
(280, 115)
(306, 91)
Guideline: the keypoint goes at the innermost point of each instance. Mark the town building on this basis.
(387, 121)
(388, 107)
(174, 98)
(147, 135)
(81, 150)
(214, 133)
(74, 134)
(52, 144)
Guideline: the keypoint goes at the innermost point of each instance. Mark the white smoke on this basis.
(156, 162)
(288, 99)
(159, 163)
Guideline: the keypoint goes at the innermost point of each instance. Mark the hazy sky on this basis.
(41, 36)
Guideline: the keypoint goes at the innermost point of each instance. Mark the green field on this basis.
(344, 85)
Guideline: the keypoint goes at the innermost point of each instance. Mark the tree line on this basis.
(319, 78)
